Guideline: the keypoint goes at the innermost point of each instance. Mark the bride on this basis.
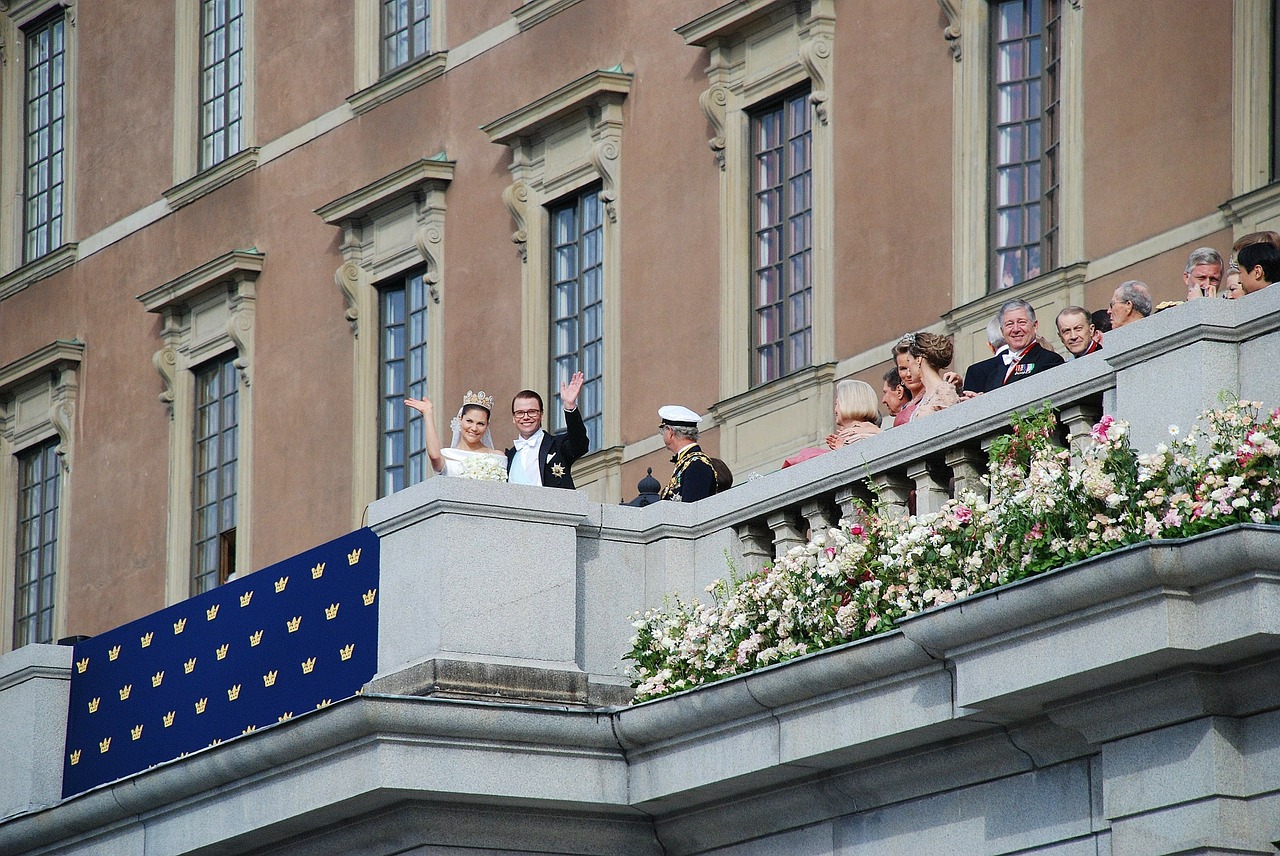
(470, 433)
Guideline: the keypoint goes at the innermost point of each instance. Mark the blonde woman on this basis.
(856, 408)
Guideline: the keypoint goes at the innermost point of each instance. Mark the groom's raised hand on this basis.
(569, 391)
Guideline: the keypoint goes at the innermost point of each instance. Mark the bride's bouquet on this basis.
(485, 468)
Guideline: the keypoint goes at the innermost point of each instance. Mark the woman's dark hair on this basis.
(894, 380)
(935, 348)
(467, 408)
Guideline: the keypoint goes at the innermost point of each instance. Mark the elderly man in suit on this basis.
(1025, 356)
(541, 458)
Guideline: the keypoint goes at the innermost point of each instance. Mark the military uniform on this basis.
(693, 477)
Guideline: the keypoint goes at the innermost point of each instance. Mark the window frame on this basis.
(38, 398)
(561, 363)
(55, 94)
(786, 106)
(219, 71)
(417, 301)
(209, 470)
(46, 454)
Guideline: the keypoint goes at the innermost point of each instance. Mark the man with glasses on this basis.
(546, 459)
(1130, 302)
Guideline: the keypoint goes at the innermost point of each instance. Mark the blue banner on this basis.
(259, 650)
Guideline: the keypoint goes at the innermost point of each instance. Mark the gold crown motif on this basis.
(346, 652)
(189, 666)
(200, 705)
(222, 652)
(479, 398)
(146, 640)
(233, 693)
(269, 679)
(254, 639)
(157, 678)
(113, 653)
(331, 612)
(168, 718)
(104, 745)
(281, 583)
(324, 703)
(353, 557)
(135, 732)
(368, 597)
(179, 626)
(124, 692)
(215, 741)
(318, 571)
(308, 665)
(93, 704)
(287, 715)
(293, 623)
(81, 665)
(75, 757)
(249, 729)
(245, 598)
(212, 612)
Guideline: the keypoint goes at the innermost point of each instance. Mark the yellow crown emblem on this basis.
(287, 715)
(157, 678)
(324, 703)
(254, 639)
(331, 612)
(346, 652)
(293, 623)
(308, 665)
(113, 653)
(75, 757)
(245, 598)
(179, 626)
(168, 718)
(269, 679)
(189, 666)
(124, 692)
(233, 693)
(368, 597)
(135, 732)
(200, 705)
(281, 583)
(222, 652)
(81, 665)
(318, 571)
(212, 612)
(249, 729)
(146, 640)
(93, 704)
(353, 557)
(215, 741)
(479, 398)
(104, 745)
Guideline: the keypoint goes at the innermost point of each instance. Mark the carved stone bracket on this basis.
(816, 41)
(951, 8)
(516, 197)
(167, 359)
(606, 146)
(714, 102)
(348, 277)
(240, 325)
(429, 239)
(62, 412)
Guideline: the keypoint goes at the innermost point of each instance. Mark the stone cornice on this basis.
(412, 178)
(399, 82)
(590, 90)
(729, 19)
(34, 271)
(58, 353)
(236, 265)
(534, 12)
(212, 178)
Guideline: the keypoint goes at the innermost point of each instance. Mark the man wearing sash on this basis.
(694, 477)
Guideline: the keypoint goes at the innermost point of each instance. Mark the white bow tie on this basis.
(1007, 357)
(522, 443)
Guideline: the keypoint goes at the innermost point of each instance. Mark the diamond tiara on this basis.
(479, 399)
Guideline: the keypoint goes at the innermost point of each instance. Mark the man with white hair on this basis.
(1130, 302)
(1203, 274)
(694, 476)
(977, 377)
(1026, 356)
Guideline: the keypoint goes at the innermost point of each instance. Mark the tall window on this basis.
(406, 32)
(1026, 61)
(45, 136)
(37, 544)
(782, 237)
(217, 423)
(402, 457)
(221, 79)
(1275, 90)
(577, 306)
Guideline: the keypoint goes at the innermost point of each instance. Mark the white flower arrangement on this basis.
(485, 468)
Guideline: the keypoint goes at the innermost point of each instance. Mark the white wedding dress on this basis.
(455, 460)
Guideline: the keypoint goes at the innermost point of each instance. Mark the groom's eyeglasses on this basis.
(526, 414)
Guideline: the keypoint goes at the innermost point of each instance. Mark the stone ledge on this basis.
(489, 681)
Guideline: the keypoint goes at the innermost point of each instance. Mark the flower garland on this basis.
(1044, 511)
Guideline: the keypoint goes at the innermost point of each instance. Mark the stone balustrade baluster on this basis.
(818, 513)
(931, 491)
(1080, 419)
(787, 532)
(967, 466)
(895, 492)
(757, 545)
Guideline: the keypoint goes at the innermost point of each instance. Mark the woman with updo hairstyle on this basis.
(910, 377)
(930, 354)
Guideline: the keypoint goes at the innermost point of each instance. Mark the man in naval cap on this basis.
(694, 477)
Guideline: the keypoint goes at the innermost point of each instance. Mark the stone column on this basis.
(894, 493)
(931, 494)
(967, 465)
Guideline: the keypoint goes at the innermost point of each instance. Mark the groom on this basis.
(541, 458)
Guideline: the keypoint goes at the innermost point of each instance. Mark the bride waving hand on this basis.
(471, 436)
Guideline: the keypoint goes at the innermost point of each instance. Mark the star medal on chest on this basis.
(557, 470)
